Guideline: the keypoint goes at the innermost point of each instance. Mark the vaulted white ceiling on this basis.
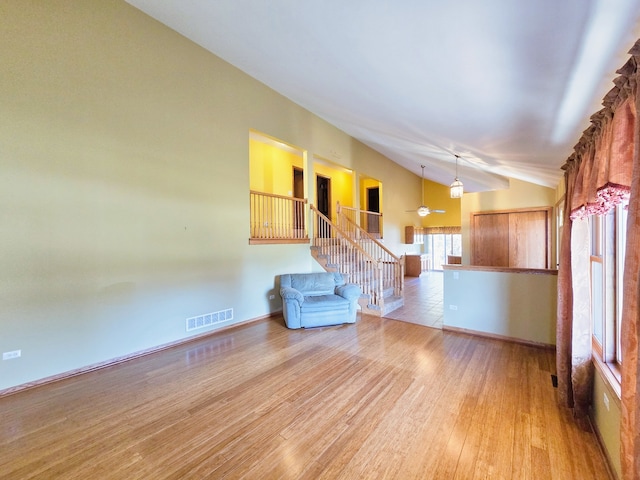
(507, 85)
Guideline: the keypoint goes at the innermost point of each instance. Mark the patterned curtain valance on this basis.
(601, 164)
(447, 230)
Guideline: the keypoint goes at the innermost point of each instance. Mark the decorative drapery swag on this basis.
(603, 157)
(602, 172)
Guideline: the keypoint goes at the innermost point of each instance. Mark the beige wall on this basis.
(125, 174)
(519, 195)
(606, 415)
(512, 305)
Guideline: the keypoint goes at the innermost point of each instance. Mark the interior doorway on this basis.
(323, 201)
(373, 205)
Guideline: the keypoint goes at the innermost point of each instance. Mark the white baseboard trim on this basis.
(494, 336)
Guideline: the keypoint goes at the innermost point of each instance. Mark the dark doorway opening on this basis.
(373, 205)
(323, 200)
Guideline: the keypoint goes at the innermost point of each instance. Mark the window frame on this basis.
(608, 242)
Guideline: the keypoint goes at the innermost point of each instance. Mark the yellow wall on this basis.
(341, 184)
(271, 168)
(519, 195)
(438, 197)
(365, 184)
(124, 186)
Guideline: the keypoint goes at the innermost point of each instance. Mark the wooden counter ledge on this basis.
(480, 268)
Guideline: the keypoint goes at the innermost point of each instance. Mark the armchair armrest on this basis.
(289, 293)
(349, 291)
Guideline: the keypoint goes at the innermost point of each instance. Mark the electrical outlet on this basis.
(456, 275)
(271, 297)
(453, 307)
(606, 401)
(11, 355)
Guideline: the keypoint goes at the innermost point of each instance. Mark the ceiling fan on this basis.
(423, 210)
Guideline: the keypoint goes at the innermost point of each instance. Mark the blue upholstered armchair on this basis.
(318, 299)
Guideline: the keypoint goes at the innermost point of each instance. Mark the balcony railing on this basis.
(277, 219)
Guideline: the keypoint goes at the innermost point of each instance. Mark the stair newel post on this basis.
(379, 287)
(399, 280)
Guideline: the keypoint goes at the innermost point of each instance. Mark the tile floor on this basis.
(423, 300)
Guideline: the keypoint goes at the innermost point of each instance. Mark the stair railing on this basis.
(393, 266)
(370, 222)
(348, 257)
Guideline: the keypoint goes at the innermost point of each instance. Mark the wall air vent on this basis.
(208, 319)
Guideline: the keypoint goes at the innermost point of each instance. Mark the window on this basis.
(440, 245)
(608, 240)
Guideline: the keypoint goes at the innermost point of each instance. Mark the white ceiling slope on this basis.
(507, 85)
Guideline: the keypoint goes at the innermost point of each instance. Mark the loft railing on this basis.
(371, 222)
(393, 266)
(277, 219)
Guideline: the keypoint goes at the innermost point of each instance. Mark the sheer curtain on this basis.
(603, 171)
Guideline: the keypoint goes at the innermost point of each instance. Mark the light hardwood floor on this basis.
(379, 399)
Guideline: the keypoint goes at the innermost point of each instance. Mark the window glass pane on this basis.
(439, 245)
(596, 300)
(438, 251)
(456, 248)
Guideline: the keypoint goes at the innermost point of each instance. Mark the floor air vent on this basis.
(208, 319)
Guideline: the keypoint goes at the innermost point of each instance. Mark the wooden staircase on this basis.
(346, 248)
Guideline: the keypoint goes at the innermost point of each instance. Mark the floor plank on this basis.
(379, 399)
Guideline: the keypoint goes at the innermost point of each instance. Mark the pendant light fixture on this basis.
(457, 189)
(422, 210)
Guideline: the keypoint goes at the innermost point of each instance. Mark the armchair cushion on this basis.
(349, 291)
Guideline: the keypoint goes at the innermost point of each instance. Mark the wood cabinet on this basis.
(414, 265)
(454, 259)
(490, 240)
(414, 234)
(515, 238)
